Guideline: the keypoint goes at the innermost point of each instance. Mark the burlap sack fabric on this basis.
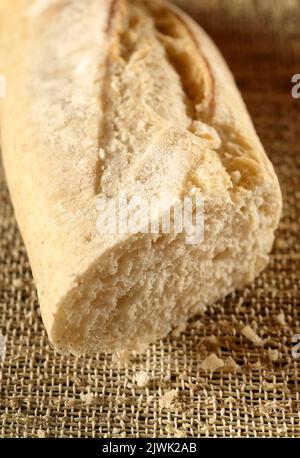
(256, 392)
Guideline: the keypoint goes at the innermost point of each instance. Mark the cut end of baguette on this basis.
(140, 290)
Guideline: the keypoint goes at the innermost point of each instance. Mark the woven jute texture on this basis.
(44, 394)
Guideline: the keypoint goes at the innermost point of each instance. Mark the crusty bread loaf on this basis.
(108, 96)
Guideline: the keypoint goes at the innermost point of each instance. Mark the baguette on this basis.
(105, 97)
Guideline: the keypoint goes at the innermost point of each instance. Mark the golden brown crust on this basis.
(183, 18)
